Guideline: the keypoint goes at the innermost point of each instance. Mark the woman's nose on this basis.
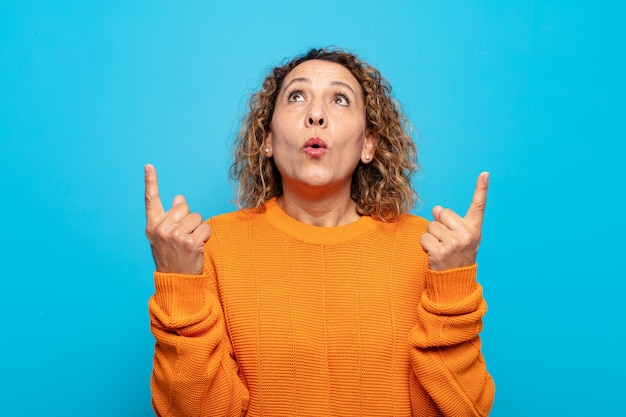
(316, 121)
(316, 116)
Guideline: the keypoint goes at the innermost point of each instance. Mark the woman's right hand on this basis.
(177, 237)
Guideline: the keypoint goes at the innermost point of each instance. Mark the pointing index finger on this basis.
(154, 208)
(476, 210)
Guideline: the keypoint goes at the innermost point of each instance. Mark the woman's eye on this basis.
(342, 100)
(295, 96)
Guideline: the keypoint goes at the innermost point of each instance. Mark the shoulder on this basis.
(399, 240)
(235, 219)
(410, 223)
(405, 232)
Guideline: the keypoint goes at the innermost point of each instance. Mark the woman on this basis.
(322, 295)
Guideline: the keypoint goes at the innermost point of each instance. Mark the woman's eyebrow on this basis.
(346, 85)
(298, 79)
(306, 80)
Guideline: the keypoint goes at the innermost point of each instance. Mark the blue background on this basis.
(89, 92)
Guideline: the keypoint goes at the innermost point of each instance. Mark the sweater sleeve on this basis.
(194, 371)
(449, 376)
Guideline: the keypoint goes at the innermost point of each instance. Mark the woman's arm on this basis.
(449, 376)
(194, 371)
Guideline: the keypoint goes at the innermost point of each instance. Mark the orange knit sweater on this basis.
(290, 319)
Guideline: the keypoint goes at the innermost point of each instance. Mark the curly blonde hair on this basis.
(381, 189)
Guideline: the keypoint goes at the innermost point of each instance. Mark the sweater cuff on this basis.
(180, 295)
(451, 286)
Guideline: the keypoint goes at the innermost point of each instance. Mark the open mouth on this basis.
(315, 147)
(315, 143)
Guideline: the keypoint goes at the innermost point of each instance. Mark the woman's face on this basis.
(317, 133)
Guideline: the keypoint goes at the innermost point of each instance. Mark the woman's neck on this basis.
(320, 210)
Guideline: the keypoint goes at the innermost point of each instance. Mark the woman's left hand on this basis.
(451, 240)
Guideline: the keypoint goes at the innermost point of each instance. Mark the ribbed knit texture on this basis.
(290, 319)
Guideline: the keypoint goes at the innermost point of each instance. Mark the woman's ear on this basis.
(369, 149)
(266, 148)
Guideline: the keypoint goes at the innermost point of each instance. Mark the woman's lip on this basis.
(314, 152)
(314, 147)
(314, 143)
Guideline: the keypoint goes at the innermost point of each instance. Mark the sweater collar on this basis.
(316, 234)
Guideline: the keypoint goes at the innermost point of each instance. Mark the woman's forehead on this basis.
(323, 71)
